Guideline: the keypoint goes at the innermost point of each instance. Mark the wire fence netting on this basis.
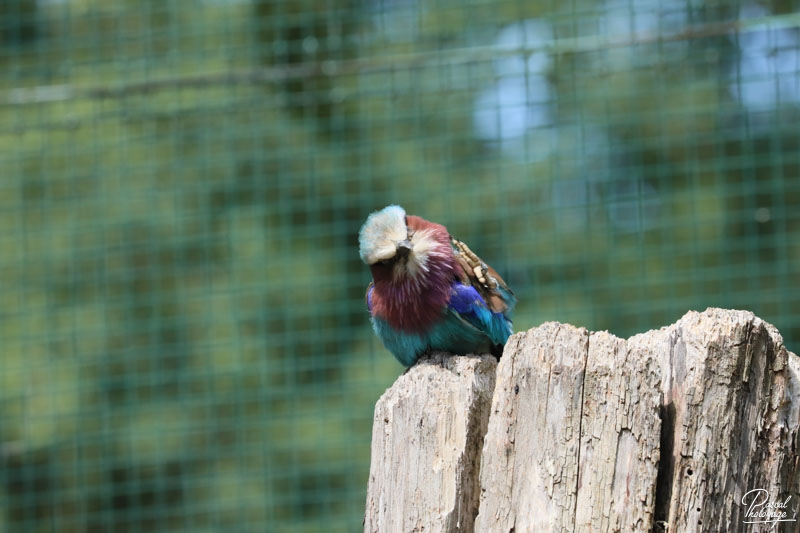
(185, 344)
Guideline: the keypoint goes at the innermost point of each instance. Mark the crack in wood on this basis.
(681, 421)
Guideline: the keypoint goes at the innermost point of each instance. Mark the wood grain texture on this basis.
(530, 455)
(573, 439)
(427, 435)
(731, 400)
(665, 432)
(620, 436)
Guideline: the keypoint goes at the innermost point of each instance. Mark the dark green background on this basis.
(185, 345)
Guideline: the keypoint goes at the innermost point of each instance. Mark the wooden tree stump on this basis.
(730, 425)
(668, 431)
(427, 435)
(573, 436)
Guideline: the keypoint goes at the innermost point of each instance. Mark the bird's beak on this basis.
(403, 248)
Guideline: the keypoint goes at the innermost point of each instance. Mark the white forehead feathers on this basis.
(378, 238)
(423, 246)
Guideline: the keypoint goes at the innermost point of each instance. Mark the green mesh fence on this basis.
(185, 345)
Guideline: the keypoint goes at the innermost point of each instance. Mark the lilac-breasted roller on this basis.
(429, 291)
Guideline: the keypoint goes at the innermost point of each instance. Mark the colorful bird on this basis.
(429, 291)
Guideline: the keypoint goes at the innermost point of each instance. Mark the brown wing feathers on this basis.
(481, 276)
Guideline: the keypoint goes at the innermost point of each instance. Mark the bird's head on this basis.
(396, 246)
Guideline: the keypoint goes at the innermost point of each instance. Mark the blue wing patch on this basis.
(469, 305)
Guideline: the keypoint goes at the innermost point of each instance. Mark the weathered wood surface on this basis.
(731, 405)
(573, 436)
(665, 431)
(427, 435)
(531, 469)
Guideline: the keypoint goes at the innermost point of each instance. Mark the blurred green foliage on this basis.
(184, 340)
